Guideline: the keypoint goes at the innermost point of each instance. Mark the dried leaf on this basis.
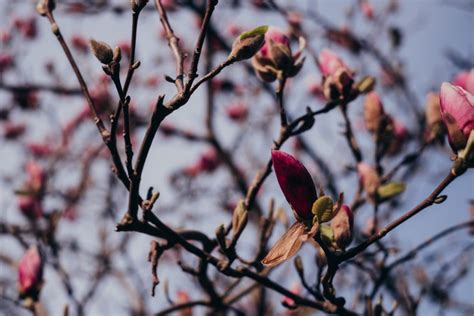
(287, 246)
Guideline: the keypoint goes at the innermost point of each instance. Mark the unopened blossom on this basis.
(399, 136)
(465, 80)
(457, 111)
(80, 43)
(30, 273)
(30, 206)
(237, 112)
(342, 226)
(369, 178)
(337, 77)
(373, 112)
(367, 9)
(275, 59)
(6, 61)
(434, 123)
(295, 182)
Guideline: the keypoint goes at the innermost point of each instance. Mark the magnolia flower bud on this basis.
(341, 226)
(30, 273)
(295, 182)
(457, 111)
(329, 62)
(248, 43)
(338, 79)
(237, 112)
(102, 51)
(373, 112)
(465, 80)
(275, 59)
(369, 178)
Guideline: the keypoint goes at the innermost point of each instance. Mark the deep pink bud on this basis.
(457, 111)
(465, 80)
(80, 43)
(367, 9)
(30, 206)
(329, 62)
(209, 161)
(237, 112)
(6, 61)
(342, 225)
(30, 273)
(295, 182)
(277, 36)
(41, 150)
(36, 175)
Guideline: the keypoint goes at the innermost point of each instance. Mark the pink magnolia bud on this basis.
(13, 130)
(233, 30)
(329, 62)
(80, 43)
(5, 36)
(36, 175)
(237, 112)
(30, 273)
(373, 112)
(41, 150)
(295, 182)
(275, 59)
(342, 225)
(465, 80)
(457, 111)
(6, 61)
(338, 78)
(369, 178)
(209, 161)
(367, 9)
(295, 289)
(26, 26)
(276, 36)
(30, 206)
(399, 136)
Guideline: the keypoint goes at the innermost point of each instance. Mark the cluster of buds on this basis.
(30, 197)
(275, 59)
(457, 112)
(311, 212)
(338, 79)
(30, 274)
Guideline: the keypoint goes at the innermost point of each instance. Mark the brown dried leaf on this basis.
(287, 246)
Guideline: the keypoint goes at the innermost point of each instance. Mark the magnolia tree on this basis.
(285, 171)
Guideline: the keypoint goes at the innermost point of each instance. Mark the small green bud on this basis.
(390, 190)
(323, 209)
(248, 43)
